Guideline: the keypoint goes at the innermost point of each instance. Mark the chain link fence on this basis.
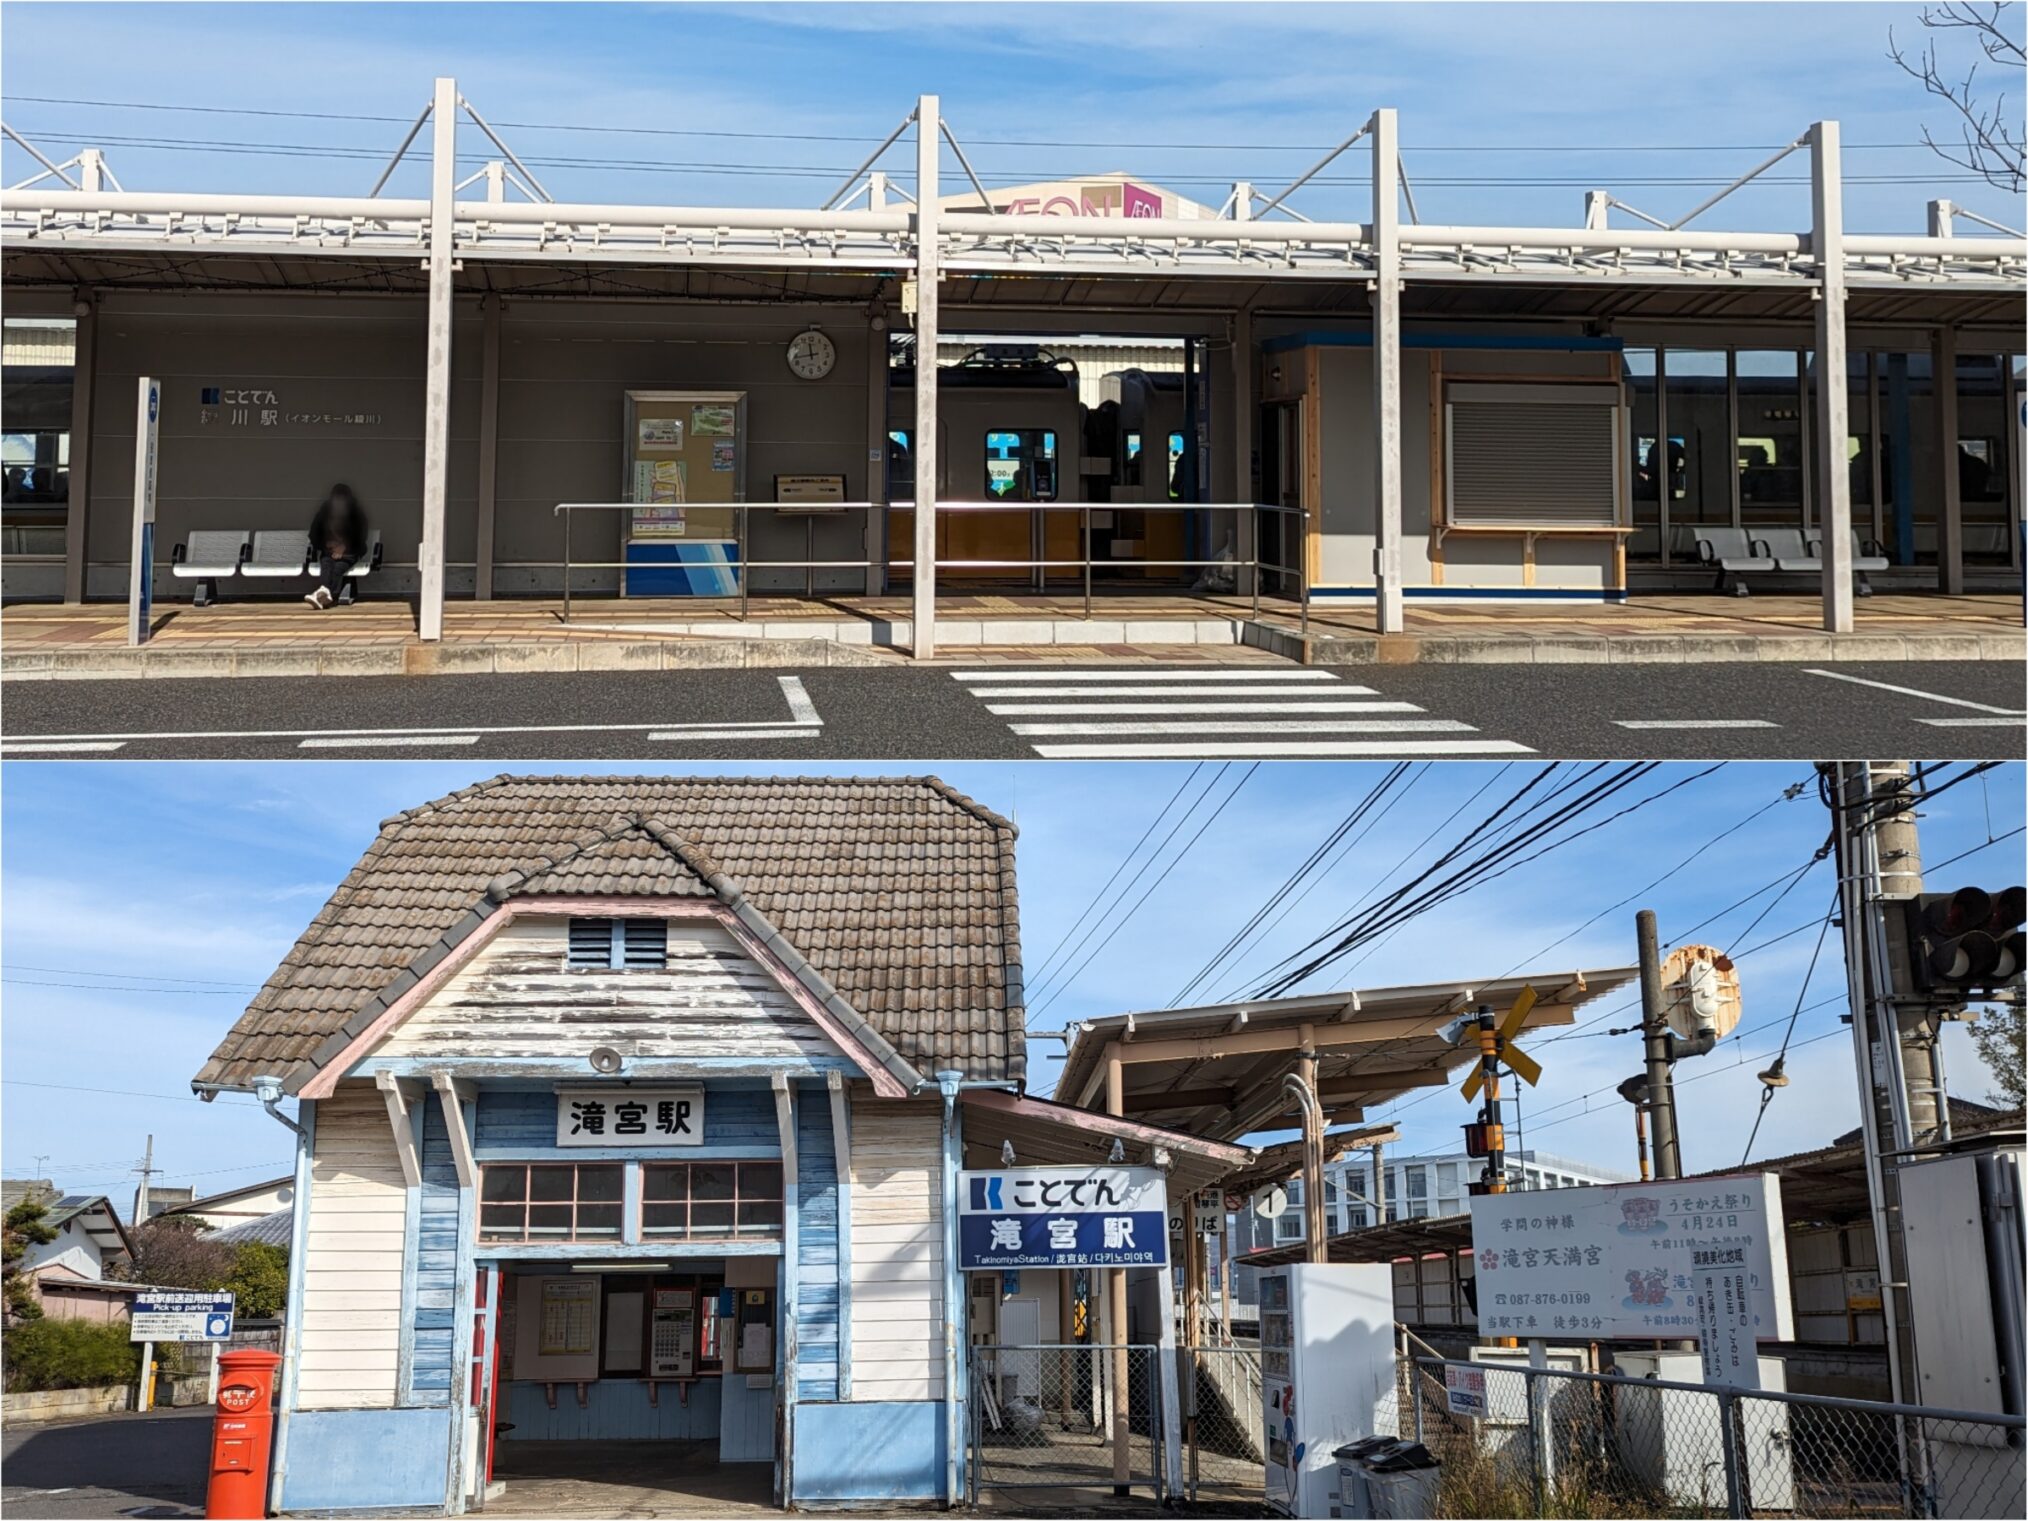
(1551, 1442)
(1224, 1426)
(1067, 1418)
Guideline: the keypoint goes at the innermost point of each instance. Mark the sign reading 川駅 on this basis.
(1624, 1259)
(166, 1315)
(1062, 1217)
(620, 1116)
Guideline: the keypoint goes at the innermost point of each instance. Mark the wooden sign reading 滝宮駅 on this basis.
(628, 1116)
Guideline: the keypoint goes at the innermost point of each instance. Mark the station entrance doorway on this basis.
(627, 1387)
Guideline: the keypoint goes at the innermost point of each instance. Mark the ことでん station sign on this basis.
(1062, 1217)
(1624, 1259)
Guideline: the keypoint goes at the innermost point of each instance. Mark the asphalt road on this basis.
(113, 1465)
(1916, 710)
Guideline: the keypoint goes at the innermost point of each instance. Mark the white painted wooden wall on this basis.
(897, 1249)
(515, 998)
(351, 1325)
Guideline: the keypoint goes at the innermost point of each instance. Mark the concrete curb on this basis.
(1627, 649)
(91, 664)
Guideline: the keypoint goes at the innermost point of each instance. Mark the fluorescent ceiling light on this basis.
(619, 1267)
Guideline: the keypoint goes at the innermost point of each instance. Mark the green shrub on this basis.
(69, 1354)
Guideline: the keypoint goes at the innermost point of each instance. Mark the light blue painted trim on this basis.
(954, 1295)
(411, 1247)
(864, 1452)
(552, 1068)
(292, 1313)
(1520, 342)
(511, 1153)
(1480, 593)
(786, 1277)
(841, 1147)
(461, 1327)
(617, 1251)
(630, 1204)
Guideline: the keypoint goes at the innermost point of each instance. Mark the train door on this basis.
(1281, 535)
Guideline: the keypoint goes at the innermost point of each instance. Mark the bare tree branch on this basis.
(1990, 135)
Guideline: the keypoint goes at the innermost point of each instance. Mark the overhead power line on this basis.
(997, 142)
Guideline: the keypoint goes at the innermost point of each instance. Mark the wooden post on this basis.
(1315, 1233)
(1116, 1299)
(146, 1401)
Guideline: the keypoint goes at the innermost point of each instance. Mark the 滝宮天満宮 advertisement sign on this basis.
(630, 1117)
(1623, 1259)
(165, 1315)
(1062, 1217)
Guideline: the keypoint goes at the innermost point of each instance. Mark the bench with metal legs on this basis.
(207, 556)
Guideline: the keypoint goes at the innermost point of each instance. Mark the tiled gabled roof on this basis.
(899, 892)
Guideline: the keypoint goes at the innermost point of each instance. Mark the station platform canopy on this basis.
(1043, 1133)
(1216, 1071)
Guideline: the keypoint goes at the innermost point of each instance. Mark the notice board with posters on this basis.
(1623, 1260)
(685, 454)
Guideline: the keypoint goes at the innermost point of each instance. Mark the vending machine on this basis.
(1326, 1373)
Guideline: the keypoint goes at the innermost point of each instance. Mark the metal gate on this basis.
(1224, 1425)
(1044, 1418)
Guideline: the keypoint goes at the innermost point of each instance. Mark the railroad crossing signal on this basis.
(1966, 942)
(1501, 1048)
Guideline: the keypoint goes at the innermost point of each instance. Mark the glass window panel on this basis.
(598, 1220)
(665, 1182)
(759, 1216)
(500, 1219)
(1770, 443)
(1637, 368)
(711, 1182)
(599, 1183)
(1418, 1182)
(760, 1180)
(549, 1220)
(550, 1182)
(1700, 481)
(503, 1183)
(663, 1220)
(38, 369)
(711, 1219)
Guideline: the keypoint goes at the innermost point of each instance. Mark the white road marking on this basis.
(22, 747)
(1026, 709)
(1315, 748)
(803, 718)
(801, 709)
(784, 732)
(1260, 726)
(1886, 686)
(1130, 673)
(1696, 723)
(1972, 723)
(386, 741)
(1162, 691)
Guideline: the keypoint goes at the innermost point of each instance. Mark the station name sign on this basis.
(617, 1116)
(1062, 1217)
(1624, 1260)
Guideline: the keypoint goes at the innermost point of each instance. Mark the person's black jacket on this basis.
(341, 518)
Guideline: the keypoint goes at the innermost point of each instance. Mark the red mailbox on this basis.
(242, 1436)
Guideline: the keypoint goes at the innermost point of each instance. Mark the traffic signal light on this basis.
(1968, 941)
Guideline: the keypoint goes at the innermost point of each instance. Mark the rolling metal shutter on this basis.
(1529, 455)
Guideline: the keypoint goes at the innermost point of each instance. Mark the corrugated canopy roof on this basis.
(1217, 1070)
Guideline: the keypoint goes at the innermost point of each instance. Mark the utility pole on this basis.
(141, 1200)
(1894, 1027)
(1655, 1047)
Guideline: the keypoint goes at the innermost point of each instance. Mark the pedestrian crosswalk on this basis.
(1132, 713)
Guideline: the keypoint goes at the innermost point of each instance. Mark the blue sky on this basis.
(1191, 95)
(144, 903)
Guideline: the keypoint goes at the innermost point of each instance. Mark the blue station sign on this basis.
(1062, 1217)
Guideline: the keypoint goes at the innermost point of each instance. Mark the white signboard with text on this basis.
(1725, 1328)
(630, 1116)
(167, 1315)
(1062, 1217)
(1623, 1259)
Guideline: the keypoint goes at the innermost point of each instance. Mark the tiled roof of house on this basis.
(899, 892)
(272, 1229)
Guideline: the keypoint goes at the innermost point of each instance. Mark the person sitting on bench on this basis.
(337, 541)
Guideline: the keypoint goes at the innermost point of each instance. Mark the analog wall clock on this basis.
(811, 355)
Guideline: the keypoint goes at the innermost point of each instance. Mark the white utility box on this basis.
(1671, 1440)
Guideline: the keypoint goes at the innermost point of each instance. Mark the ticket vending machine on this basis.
(1326, 1372)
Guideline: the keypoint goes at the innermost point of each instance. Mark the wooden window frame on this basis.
(528, 1202)
(738, 1198)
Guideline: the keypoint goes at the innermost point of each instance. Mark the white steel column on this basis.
(84, 376)
(1387, 618)
(1834, 478)
(1950, 521)
(437, 375)
(1246, 538)
(924, 639)
(489, 453)
(873, 540)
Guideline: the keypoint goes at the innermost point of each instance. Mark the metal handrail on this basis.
(1084, 563)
